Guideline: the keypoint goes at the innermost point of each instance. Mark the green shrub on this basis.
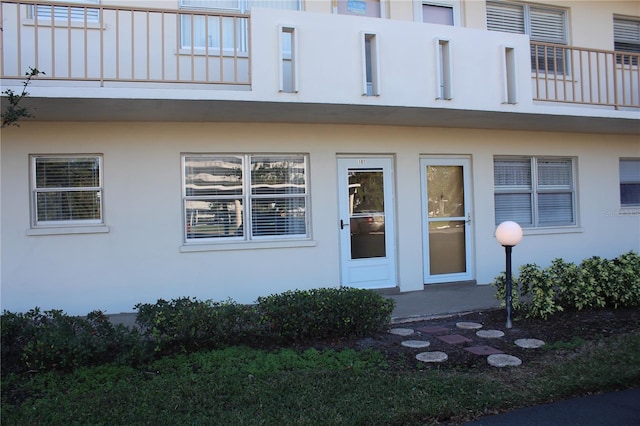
(187, 324)
(595, 283)
(624, 287)
(53, 340)
(324, 312)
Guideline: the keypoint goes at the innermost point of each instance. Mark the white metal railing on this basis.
(92, 42)
(585, 76)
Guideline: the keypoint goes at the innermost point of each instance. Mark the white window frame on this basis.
(629, 174)
(544, 36)
(453, 4)
(35, 191)
(535, 190)
(246, 198)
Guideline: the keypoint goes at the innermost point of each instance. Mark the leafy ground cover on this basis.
(371, 380)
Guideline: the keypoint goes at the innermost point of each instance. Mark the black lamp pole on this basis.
(508, 234)
(508, 295)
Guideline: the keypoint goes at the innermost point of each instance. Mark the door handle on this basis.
(342, 224)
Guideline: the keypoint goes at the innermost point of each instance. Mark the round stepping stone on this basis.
(415, 343)
(490, 334)
(503, 360)
(401, 331)
(435, 356)
(469, 325)
(529, 343)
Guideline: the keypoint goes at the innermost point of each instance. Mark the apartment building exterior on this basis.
(238, 148)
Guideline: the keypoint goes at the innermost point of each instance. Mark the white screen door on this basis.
(367, 231)
(446, 220)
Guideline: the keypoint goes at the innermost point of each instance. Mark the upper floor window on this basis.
(222, 33)
(535, 191)
(245, 197)
(544, 25)
(66, 13)
(241, 5)
(66, 190)
(630, 182)
(626, 38)
(370, 8)
(443, 12)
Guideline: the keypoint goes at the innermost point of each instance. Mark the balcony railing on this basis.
(86, 42)
(585, 76)
(115, 45)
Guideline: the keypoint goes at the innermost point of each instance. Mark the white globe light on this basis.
(509, 233)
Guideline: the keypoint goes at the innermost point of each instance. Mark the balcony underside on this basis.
(84, 109)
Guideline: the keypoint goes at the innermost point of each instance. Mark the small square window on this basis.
(66, 190)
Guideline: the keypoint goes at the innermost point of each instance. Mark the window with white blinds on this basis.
(626, 38)
(66, 13)
(535, 192)
(67, 190)
(630, 182)
(245, 197)
(542, 24)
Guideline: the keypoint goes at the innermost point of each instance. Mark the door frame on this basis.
(448, 160)
(377, 272)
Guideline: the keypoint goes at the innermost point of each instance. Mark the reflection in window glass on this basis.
(366, 210)
(245, 197)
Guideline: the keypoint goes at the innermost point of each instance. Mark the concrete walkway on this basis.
(437, 300)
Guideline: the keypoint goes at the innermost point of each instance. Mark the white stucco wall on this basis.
(140, 258)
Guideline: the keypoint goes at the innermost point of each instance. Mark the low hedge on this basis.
(324, 313)
(594, 283)
(53, 340)
(187, 324)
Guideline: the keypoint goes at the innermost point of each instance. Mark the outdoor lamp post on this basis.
(509, 234)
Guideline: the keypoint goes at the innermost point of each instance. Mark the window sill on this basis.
(100, 229)
(253, 245)
(554, 230)
(63, 23)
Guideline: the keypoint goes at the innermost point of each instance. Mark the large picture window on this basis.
(630, 182)
(245, 197)
(542, 24)
(67, 190)
(535, 192)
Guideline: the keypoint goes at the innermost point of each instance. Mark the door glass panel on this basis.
(445, 191)
(447, 251)
(366, 213)
(445, 194)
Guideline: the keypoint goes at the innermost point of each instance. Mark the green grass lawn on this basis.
(244, 386)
